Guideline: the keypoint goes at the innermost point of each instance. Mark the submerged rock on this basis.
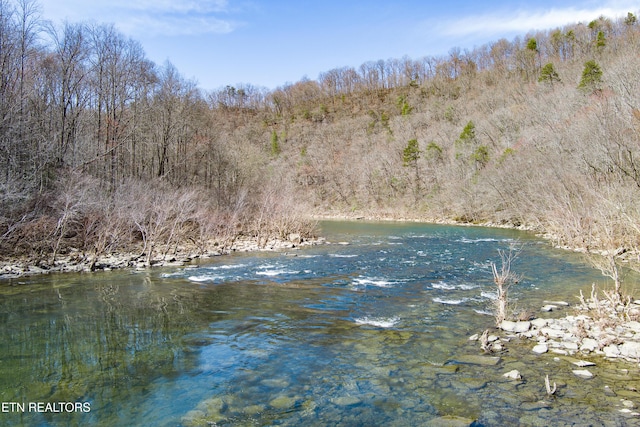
(450, 421)
(582, 373)
(194, 418)
(346, 400)
(582, 363)
(627, 403)
(562, 303)
(283, 402)
(472, 359)
(513, 375)
(253, 409)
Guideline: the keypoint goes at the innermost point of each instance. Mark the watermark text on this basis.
(52, 407)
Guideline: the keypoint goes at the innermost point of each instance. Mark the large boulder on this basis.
(630, 349)
(518, 327)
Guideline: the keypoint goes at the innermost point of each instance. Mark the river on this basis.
(369, 329)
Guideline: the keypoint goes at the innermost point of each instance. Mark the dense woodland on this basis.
(101, 149)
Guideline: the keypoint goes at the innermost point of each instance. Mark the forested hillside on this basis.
(100, 148)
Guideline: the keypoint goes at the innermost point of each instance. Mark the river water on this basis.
(373, 332)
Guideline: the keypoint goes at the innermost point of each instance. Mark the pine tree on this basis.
(548, 74)
(591, 77)
(481, 157)
(275, 145)
(631, 19)
(601, 40)
(468, 133)
(411, 153)
(410, 156)
(405, 108)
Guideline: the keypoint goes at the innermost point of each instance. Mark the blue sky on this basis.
(273, 42)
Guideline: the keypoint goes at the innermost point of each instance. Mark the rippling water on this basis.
(373, 332)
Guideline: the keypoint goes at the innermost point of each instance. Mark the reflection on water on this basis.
(370, 333)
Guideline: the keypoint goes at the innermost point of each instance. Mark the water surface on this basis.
(373, 332)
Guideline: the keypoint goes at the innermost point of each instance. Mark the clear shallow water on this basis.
(370, 333)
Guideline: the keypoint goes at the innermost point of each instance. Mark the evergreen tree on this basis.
(410, 156)
(481, 156)
(548, 74)
(601, 40)
(275, 145)
(411, 153)
(533, 53)
(591, 77)
(405, 108)
(630, 19)
(468, 134)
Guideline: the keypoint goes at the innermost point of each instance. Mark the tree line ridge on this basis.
(101, 149)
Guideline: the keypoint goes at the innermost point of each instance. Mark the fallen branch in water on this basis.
(550, 391)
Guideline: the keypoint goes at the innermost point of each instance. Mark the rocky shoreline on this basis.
(597, 339)
(581, 334)
(75, 261)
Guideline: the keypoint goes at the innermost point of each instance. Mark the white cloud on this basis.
(147, 17)
(522, 21)
(173, 6)
(175, 25)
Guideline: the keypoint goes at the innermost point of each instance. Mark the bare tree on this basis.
(504, 278)
(71, 52)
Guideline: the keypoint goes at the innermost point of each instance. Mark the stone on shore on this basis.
(588, 345)
(611, 351)
(539, 323)
(630, 349)
(540, 348)
(518, 327)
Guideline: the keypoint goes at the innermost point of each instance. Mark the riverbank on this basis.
(625, 255)
(594, 340)
(186, 252)
(75, 261)
(592, 328)
(427, 220)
